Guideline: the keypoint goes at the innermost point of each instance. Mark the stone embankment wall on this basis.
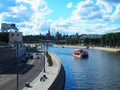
(59, 82)
(7, 54)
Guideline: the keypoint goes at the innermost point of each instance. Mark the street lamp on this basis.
(44, 57)
(17, 71)
(47, 46)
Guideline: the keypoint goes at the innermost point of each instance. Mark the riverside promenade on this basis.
(97, 48)
(51, 73)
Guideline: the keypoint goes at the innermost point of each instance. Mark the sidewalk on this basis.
(107, 49)
(98, 48)
(51, 74)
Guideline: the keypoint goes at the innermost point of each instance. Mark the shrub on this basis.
(49, 60)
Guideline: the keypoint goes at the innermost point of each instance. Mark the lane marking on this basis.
(7, 79)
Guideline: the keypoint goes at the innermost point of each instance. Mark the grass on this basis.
(49, 60)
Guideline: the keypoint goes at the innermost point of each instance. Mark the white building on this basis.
(15, 37)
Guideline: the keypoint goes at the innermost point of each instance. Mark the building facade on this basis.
(15, 37)
(7, 54)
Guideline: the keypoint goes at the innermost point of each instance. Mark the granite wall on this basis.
(7, 54)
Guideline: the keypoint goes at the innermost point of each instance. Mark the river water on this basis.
(99, 72)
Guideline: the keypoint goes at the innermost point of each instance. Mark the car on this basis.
(38, 57)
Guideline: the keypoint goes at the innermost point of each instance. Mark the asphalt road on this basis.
(27, 73)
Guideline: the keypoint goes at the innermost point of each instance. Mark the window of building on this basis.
(17, 34)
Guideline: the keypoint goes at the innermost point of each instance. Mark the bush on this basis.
(49, 60)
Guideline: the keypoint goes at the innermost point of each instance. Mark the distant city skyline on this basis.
(66, 16)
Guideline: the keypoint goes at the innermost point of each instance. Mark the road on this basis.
(27, 73)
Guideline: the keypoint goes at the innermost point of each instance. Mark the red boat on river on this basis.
(80, 54)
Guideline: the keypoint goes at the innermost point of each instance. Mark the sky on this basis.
(33, 17)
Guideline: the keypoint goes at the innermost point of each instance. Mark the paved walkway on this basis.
(43, 83)
(98, 48)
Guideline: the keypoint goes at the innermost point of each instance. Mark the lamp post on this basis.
(47, 46)
(17, 71)
(44, 57)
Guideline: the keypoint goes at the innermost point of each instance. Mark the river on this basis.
(99, 72)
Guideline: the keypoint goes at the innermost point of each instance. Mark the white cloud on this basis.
(87, 10)
(105, 6)
(34, 28)
(70, 27)
(111, 2)
(69, 5)
(28, 15)
(36, 5)
(116, 14)
(101, 11)
(18, 9)
(2, 16)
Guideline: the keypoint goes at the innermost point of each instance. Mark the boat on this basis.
(80, 53)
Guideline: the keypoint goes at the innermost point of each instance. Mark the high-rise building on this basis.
(57, 35)
(48, 35)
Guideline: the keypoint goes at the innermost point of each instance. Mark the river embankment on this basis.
(95, 47)
(51, 78)
(59, 81)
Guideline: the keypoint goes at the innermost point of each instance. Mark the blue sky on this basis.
(66, 16)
